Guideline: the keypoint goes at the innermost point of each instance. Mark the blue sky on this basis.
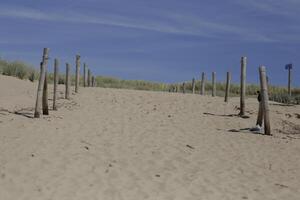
(157, 40)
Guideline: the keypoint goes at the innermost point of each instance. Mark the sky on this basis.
(157, 40)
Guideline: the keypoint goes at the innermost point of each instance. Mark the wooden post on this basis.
(45, 95)
(183, 87)
(214, 87)
(289, 83)
(178, 88)
(77, 77)
(265, 99)
(38, 103)
(89, 78)
(84, 75)
(243, 86)
(93, 81)
(202, 91)
(289, 67)
(193, 86)
(43, 83)
(67, 82)
(227, 86)
(260, 115)
(55, 83)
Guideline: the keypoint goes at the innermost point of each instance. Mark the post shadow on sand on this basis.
(25, 112)
(248, 130)
(253, 130)
(229, 115)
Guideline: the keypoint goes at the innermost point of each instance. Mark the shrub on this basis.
(31, 76)
(16, 68)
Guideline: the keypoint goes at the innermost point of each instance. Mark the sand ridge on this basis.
(126, 144)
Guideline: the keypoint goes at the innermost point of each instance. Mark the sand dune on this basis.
(131, 145)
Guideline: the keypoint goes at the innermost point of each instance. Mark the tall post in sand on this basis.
(38, 103)
(265, 99)
(93, 81)
(243, 86)
(67, 82)
(84, 75)
(55, 81)
(228, 78)
(289, 67)
(89, 78)
(45, 89)
(214, 87)
(260, 115)
(183, 87)
(77, 78)
(45, 95)
(289, 83)
(193, 86)
(202, 91)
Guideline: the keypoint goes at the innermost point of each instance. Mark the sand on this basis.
(114, 144)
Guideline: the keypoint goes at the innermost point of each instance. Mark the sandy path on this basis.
(123, 144)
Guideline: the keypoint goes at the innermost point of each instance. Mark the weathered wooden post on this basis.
(55, 81)
(84, 75)
(89, 78)
(183, 87)
(38, 103)
(77, 77)
(193, 86)
(243, 86)
(260, 115)
(45, 89)
(289, 67)
(93, 81)
(228, 78)
(214, 87)
(45, 95)
(265, 99)
(67, 82)
(202, 91)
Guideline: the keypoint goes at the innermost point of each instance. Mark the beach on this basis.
(123, 144)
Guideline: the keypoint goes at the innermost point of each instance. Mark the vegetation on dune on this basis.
(18, 69)
(276, 93)
(24, 71)
(108, 82)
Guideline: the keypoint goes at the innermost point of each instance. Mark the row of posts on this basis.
(89, 81)
(202, 86)
(214, 86)
(263, 105)
(42, 91)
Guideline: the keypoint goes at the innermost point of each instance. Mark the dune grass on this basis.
(276, 93)
(24, 71)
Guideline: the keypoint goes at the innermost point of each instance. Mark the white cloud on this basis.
(279, 7)
(174, 24)
(22, 42)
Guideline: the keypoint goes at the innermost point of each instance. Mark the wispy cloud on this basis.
(221, 30)
(22, 42)
(172, 24)
(278, 7)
